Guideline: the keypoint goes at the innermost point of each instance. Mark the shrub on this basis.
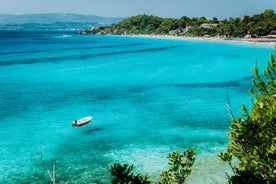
(122, 174)
(253, 135)
(180, 167)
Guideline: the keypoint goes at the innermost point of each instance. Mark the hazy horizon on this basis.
(57, 13)
(124, 8)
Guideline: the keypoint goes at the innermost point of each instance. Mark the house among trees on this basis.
(208, 26)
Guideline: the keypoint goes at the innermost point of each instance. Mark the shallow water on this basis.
(148, 97)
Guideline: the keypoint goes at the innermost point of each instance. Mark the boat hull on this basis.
(82, 121)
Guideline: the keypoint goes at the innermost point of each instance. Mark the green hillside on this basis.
(253, 26)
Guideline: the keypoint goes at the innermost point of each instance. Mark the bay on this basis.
(148, 97)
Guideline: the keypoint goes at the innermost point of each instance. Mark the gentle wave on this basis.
(241, 82)
(79, 57)
(68, 49)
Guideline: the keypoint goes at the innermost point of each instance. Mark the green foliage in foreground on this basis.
(180, 169)
(123, 174)
(253, 135)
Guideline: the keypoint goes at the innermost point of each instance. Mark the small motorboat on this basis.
(82, 121)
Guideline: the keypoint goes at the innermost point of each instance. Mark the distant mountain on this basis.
(50, 21)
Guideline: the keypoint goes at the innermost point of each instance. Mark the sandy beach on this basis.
(263, 41)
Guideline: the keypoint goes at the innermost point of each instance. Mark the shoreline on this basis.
(258, 41)
(261, 40)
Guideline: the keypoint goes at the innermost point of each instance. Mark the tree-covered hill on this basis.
(262, 24)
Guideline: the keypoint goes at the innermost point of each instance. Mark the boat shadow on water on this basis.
(93, 130)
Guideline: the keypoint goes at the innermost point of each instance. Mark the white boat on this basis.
(82, 121)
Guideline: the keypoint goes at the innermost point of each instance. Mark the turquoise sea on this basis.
(148, 97)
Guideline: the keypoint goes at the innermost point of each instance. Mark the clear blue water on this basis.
(148, 97)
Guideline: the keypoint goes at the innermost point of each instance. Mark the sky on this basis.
(126, 8)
